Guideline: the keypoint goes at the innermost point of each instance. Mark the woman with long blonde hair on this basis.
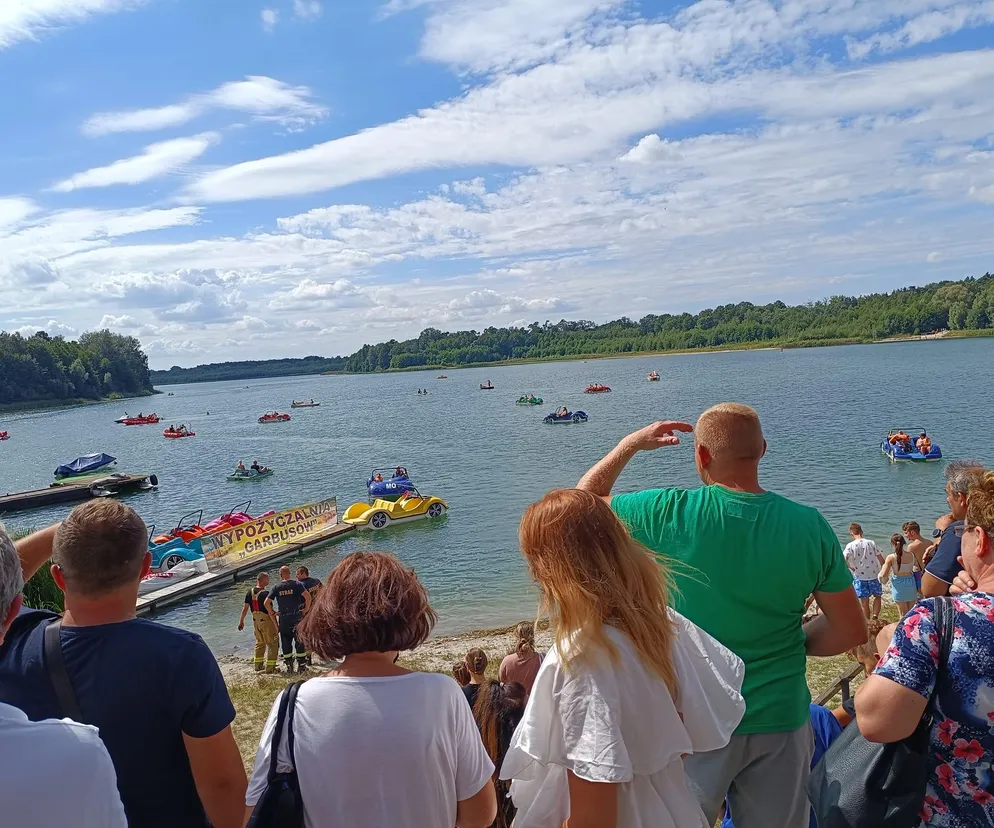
(628, 688)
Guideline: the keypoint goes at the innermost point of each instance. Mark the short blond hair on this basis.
(730, 431)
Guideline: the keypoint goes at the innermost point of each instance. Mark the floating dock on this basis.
(83, 488)
(228, 571)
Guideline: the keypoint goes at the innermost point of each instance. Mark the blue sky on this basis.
(227, 179)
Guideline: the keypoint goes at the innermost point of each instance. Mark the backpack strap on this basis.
(284, 716)
(55, 665)
(292, 691)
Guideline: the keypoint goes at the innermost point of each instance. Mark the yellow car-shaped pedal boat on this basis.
(382, 513)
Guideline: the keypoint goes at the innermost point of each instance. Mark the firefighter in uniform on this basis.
(312, 585)
(292, 601)
(264, 624)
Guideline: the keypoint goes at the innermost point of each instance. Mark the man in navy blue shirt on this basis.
(154, 692)
(942, 570)
(292, 600)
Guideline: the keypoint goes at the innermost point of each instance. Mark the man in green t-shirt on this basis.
(745, 560)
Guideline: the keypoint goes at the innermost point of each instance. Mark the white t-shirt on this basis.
(861, 556)
(618, 723)
(55, 773)
(397, 751)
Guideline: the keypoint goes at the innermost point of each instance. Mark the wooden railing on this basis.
(841, 685)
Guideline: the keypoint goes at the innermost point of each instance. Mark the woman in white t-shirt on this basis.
(375, 744)
(628, 688)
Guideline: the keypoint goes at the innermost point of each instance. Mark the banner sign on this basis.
(263, 534)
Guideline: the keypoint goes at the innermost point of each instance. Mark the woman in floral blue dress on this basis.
(960, 791)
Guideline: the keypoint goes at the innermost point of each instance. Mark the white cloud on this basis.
(310, 293)
(269, 17)
(307, 9)
(13, 210)
(490, 35)
(566, 112)
(934, 257)
(931, 25)
(155, 160)
(264, 98)
(52, 327)
(487, 299)
(30, 19)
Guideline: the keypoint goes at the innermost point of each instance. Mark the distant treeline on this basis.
(963, 305)
(249, 370)
(42, 368)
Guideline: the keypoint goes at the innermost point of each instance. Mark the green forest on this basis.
(962, 305)
(249, 370)
(43, 368)
(101, 364)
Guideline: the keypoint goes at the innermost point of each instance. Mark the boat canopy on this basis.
(82, 465)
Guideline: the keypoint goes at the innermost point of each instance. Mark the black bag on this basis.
(863, 784)
(281, 805)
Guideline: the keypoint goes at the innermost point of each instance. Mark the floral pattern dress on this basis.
(960, 791)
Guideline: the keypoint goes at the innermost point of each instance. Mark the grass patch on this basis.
(253, 699)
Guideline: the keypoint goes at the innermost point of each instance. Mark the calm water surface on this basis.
(824, 411)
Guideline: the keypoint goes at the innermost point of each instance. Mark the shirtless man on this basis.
(917, 545)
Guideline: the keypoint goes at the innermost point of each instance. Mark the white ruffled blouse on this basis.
(618, 723)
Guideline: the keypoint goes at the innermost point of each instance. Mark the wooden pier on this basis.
(67, 491)
(229, 571)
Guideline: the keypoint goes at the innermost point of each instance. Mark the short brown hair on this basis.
(855, 529)
(911, 526)
(371, 603)
(101, 546)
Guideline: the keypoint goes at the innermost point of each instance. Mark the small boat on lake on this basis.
(384, 487)
(488, 387)
(596, 388)
(176, 433)
(529, 399)
(86, 464)
(560, 417)
(304, 404)
(442, 376)
(4, 435)
(275, 417)
(250, 474)
(653, 376)
(141, 419)
(900, 447)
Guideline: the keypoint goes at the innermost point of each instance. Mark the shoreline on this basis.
(56, 405)
(253, 693)
(765, 345)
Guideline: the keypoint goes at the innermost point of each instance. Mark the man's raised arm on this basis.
(35, 550)
(602, 477)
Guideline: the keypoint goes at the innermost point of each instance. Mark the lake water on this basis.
(824, 412)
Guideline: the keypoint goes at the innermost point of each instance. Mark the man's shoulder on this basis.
(155, 634)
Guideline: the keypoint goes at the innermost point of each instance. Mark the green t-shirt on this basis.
(744, 564)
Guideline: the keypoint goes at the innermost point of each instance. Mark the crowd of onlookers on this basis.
(673, 693)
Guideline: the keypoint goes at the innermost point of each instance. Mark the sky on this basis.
(226, 179)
